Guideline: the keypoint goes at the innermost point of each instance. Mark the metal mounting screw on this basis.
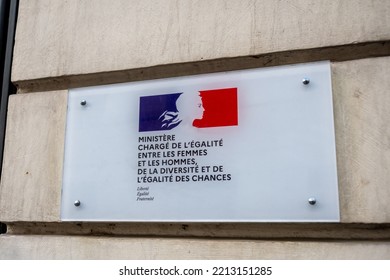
(83, 102)
(77, 203)
(305, 81)
(312, 200)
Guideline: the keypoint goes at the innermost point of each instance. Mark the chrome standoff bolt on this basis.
(305, 81)
(83, 102)
(312, 200)
(77, 203)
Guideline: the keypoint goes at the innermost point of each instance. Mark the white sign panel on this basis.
(243, 146)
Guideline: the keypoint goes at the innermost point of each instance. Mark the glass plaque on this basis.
(252, 145)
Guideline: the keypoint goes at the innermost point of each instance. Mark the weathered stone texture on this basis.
(59, 38)
(31, 184)
(73, 247)
(362, 119)
(30, 188)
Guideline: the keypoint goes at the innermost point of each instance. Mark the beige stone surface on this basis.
(30, 186)
(60, 38)
(362, 119)
(73, 247)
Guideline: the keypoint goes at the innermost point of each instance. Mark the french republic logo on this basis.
(218, 108)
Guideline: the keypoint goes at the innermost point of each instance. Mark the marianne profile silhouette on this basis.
(190, 107)
(209, 108)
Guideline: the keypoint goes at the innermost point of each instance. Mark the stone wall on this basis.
(65, 44)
